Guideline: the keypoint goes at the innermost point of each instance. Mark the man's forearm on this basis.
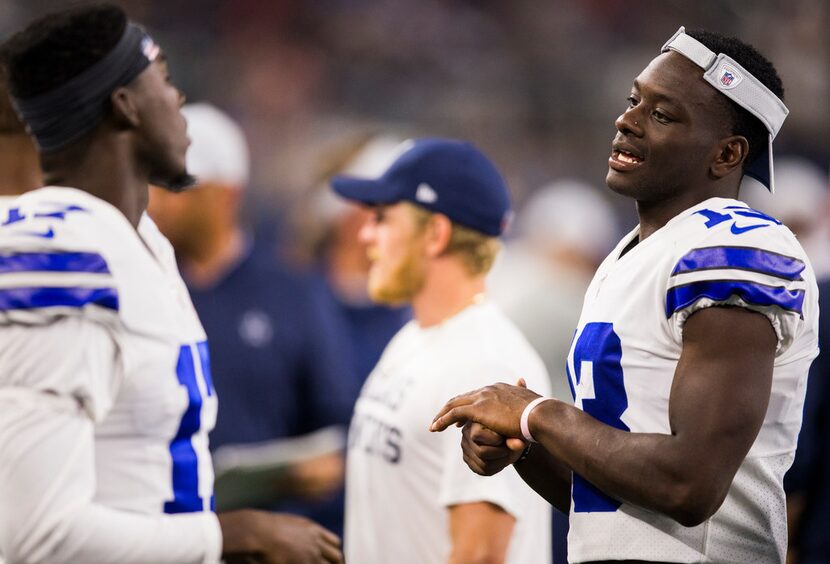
(62, 522)
(480, 533)
(549, 477)
(645, 469)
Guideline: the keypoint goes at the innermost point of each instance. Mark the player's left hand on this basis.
(296, 540)
(497, 407)
(486, 452)
(250, 535)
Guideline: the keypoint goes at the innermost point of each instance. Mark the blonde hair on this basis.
(476, 250)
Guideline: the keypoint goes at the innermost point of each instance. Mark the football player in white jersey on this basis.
(437, 213)
(105, 391)
(690, 359)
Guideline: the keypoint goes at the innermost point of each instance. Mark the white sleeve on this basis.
(70, 357)
(47, 458)
(461, 485)
(765, 274)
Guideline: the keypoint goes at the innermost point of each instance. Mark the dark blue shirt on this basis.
(280, 363)
(370, 328)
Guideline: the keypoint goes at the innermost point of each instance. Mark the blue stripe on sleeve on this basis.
(681, 297)
(741, 258)
(53, 262)
(30, 298)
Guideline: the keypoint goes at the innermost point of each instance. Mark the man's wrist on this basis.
(525, 453)
(238, 531)
(524, 421)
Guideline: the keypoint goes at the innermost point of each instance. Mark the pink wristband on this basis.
(526, 415)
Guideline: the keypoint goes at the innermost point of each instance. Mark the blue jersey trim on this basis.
(681, 297)
(740, 258)
(31, 298)
(53, 262)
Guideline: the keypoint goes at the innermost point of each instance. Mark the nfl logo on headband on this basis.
(729, 77)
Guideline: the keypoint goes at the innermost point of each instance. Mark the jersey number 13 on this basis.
(598, 376)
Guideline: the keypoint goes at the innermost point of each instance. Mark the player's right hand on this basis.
(277, 538)
(297, 540)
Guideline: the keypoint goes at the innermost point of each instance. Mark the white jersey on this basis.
(623, 359)
(401, 478)
(105, 391)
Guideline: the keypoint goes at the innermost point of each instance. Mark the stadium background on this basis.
(537, 84)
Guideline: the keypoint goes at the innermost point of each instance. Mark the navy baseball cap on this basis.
(443, 176)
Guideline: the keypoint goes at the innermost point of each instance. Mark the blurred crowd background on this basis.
(537, 84)
(326, 86)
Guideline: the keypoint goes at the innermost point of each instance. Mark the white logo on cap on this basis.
(425, 194)
(729, 77)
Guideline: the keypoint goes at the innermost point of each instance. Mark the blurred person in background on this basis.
(19, 161)
(342, 267)
(564, 231)
(437, 213)
(801, 202)
(278, 360)
(808, 481)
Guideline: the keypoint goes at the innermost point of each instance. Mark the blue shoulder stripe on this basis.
(740, 258)
(753, 293)
(53, 262)
(31, 298)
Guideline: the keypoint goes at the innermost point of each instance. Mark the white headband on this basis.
(736, 83)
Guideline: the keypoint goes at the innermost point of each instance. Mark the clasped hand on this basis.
(491, 438)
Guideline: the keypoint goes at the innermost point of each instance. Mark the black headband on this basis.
(60, 116)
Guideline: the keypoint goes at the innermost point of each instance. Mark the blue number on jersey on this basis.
(596, 361)
(186, 497)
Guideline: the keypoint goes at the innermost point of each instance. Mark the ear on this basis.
(438, 234)
(124, 109)
(731, 153)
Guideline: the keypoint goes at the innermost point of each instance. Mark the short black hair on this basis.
(55, 48)
(743, 122)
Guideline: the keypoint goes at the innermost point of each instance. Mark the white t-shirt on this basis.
(401, 478)
(625, 353)
(105, 392)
